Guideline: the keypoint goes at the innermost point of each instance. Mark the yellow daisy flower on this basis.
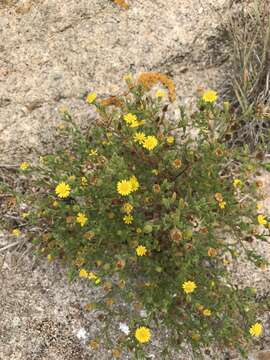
(256, 329)
(128, 219)
(189, 286)
(134, 124)
(170, 140)
(134, 183)
(130, 118)
(62, 190)
(141, 250)
(83, 273)
(143, 334)
(150, 142)
(127, 77)
(210, 96)
(91, 276)
(24, 166)
(222, 204)
(16, 232)
(160, 93)
(139, 137)
(81, 219)
(237, 182)
(127, 208)
(91, 97)
(262, 220)
(124, 187)
(84, 181)
(93, 152)
(207, 312)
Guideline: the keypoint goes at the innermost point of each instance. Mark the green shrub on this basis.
(147, 207)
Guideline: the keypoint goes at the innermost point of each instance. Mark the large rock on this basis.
(54, 52)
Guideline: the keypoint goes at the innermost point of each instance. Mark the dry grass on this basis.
(248, 85)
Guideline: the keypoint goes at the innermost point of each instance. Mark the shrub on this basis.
(148, 208)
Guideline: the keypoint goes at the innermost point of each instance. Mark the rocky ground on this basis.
(52, 54)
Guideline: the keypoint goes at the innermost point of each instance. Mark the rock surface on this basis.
(52, 53)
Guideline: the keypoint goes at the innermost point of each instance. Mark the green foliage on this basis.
(189, 214)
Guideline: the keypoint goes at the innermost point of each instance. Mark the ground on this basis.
(52, 54)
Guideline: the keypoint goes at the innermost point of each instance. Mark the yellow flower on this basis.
(207, 312)
(16, 232)
(72, 177)
(128, 219)
(93, 152)
(128, 77)
(130, 118)
(138, 230)
(135, 123)
(170, 140)
(127, 208)
(222, 204)
(124, 187)
(134, 183)
(256, 329)
(91, 97)
(143, 334)
(49, 257)
(24, 166)
(62, 190)
(81, 219)
(92, 276)
(63, 109)
(237, 182)
(262, 220)
(160, 93)
(210, 96)
(150, 142)
(84, 181)
(25, 214)
(139, 137)
(141, 250)
(55, 203)
(83, 273)
(189, 286)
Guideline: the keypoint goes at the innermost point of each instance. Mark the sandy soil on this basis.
(52, 54)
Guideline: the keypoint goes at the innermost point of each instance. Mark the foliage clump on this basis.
(146, 207)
